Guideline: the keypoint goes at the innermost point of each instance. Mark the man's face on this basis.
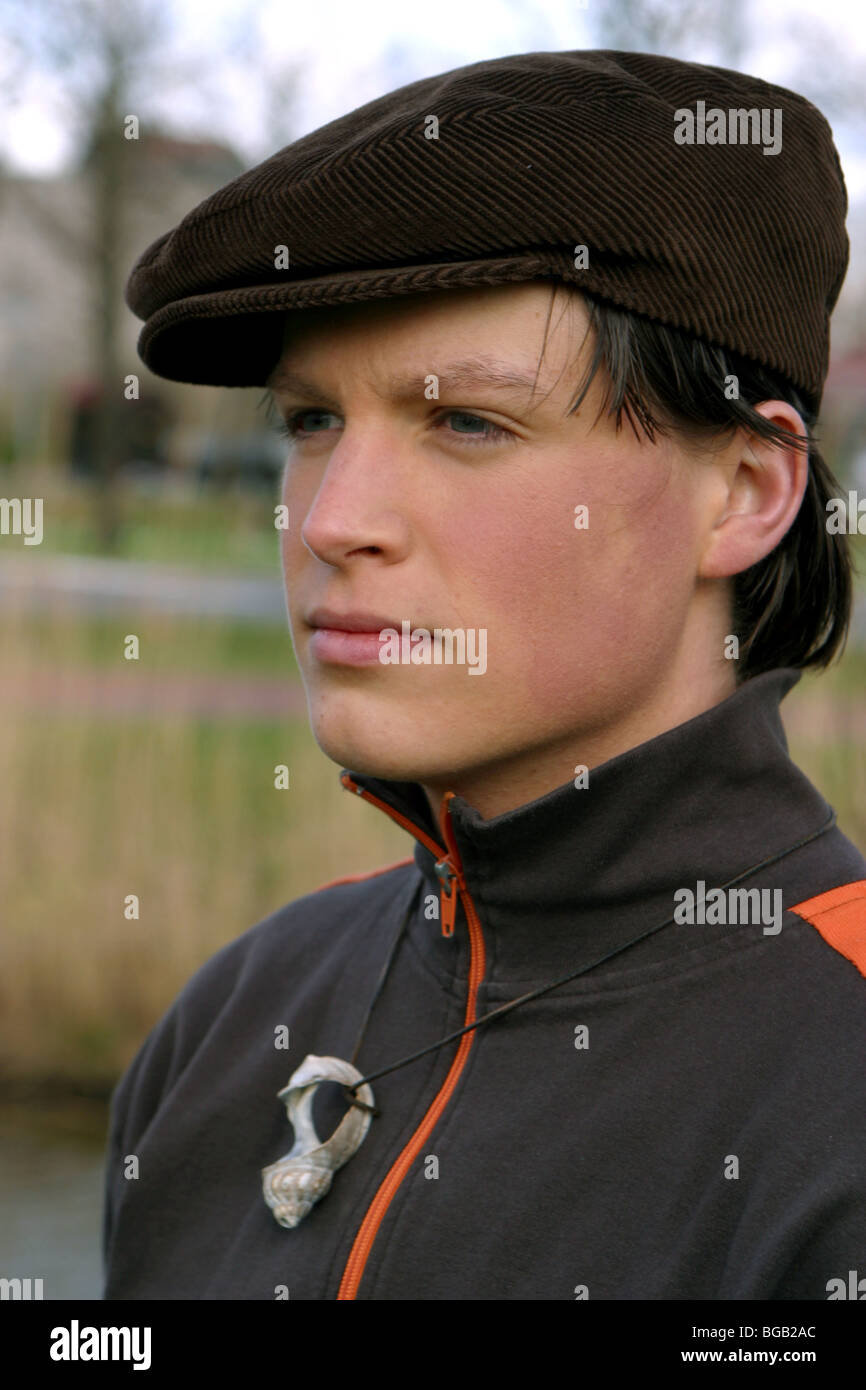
(465, 512)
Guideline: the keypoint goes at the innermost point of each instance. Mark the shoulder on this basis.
(823, 885)
(839, 917)
(309, 934)
(807, 1000)
(321, 920)
(823, 986)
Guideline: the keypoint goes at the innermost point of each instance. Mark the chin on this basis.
(391, 749)
(388, 734)
(370, 756)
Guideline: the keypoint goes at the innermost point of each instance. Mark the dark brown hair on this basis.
(793, 607)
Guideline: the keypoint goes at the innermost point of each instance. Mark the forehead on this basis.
(511, 337)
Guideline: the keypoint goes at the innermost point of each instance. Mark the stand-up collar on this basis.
(581, 871)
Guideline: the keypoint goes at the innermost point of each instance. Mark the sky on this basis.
(256, 74)
(225, 54)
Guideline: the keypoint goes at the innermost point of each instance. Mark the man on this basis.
(555, 551)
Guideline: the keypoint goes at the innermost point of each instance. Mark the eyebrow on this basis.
(470, 373)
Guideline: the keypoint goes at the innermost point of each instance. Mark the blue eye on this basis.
(292, 429)
(493, 432)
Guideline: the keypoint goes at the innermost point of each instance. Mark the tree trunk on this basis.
(107, 173)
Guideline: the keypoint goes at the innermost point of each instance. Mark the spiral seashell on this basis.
(299, 1179)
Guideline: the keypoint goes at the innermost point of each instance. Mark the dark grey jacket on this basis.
(687, 1119)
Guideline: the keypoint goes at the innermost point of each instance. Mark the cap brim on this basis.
(234, 337)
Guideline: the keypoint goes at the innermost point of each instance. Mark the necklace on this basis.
(299, 1179)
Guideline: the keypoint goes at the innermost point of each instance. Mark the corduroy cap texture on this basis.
(537, 154)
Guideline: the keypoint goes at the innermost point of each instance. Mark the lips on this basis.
(348, 639)
(350, 622)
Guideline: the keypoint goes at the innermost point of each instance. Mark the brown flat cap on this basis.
(706, 200)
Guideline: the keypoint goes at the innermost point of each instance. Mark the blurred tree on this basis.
(674, 27)
(262, 74)
(815, 59)
(102, 53)
(112, 64)
(828, 71)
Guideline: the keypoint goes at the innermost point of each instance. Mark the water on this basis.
(51, 1176)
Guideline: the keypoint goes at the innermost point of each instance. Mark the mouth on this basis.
(329, 620)
(347, 639)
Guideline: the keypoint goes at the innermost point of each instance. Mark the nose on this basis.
(360, 507)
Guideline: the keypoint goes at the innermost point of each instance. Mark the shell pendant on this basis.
(299, 1179)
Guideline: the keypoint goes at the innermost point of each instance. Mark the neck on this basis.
(494, 789)
(702, 802)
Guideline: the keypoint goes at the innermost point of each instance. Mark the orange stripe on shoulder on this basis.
(840, 917)
(371, 873)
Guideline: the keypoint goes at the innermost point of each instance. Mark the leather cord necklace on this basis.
(297, 1181)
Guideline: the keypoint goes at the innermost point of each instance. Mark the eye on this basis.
(293, 428)
(301, 424)
(493, 433)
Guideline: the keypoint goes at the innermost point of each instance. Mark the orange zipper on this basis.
(369, 1228)
(446, 871)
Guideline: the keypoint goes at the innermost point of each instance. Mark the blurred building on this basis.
(48, 326)
(46, 241)
(843, 412)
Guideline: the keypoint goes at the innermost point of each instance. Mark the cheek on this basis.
(571, 607)
(297, 497)
(529, 566)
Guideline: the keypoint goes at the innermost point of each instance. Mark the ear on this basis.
(763, 488)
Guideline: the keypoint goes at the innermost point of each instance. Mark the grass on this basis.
(183, 813)
(177, 524)
(838, 769)
(847, 679)
(76, 641)
(829, 710)
(178, 810)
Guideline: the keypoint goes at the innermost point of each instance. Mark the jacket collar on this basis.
(576, 873)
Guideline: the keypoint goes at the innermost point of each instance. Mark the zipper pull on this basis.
(447, 876)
